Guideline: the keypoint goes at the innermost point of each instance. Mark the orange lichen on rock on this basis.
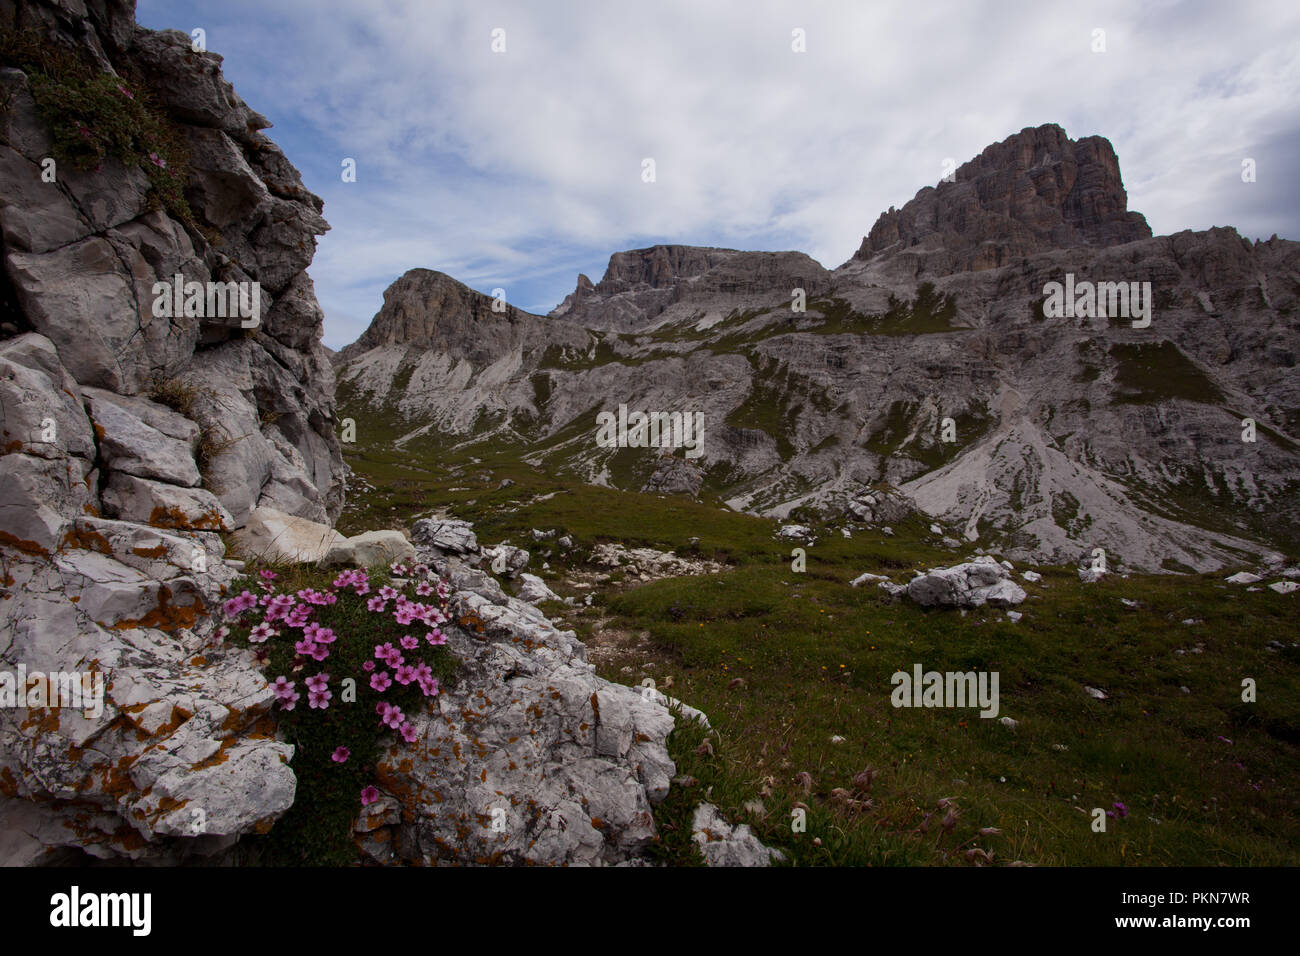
(22, 544)
(84, 539)
(166, 616)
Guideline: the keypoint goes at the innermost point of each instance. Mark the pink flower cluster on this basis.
(318, 694)
(285, 693)
(392, 717)
(238, 605)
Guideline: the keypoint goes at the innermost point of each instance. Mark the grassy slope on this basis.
(816, 656)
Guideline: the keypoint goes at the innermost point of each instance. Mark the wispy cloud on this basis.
(519, 169)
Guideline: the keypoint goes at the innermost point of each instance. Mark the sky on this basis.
(521, 166)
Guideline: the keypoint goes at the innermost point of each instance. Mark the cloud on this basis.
(517, 169)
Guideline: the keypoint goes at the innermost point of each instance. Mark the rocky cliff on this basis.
(927, 363)
(1035, 191)
(138, 424)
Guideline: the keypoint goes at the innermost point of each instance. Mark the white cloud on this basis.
(500, 167)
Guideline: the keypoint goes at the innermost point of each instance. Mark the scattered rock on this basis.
(973, 584)
(275, 537)
(534, 590)
(866, 578)
(721, 844)
(371, 549)
(449, 535)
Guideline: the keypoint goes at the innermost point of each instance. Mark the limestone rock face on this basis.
(1034, 191)
(642, 285)
(531, 757)
(83, 255)
(127, 441)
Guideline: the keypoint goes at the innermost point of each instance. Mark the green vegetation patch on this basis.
(93, 115)
(1152, 372)
(336, 728)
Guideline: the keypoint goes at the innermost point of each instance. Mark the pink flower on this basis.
(368, 667)
(381, 681)
(319, 699)
(305, 647)
(157, 160)
(408, 732)
(345, 578)
(321, 635)
(220, 634)
(279, 607)
(389, 714)
(405, 614)
(404, 674)
(399, 569)
(261, 633)
(238, 605)
(285, 693)
(430, 687)
(388, 593)
(377, 605)
(341, 755)
(424, 589)
(436, 637)
(361, 589)
(369, 795)
(409, 643)
(298, 616)
(318, 682)
(267, 575)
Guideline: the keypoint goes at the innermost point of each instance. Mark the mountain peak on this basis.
(1036, 190)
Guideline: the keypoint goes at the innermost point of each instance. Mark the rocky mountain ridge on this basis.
(1063, 434)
